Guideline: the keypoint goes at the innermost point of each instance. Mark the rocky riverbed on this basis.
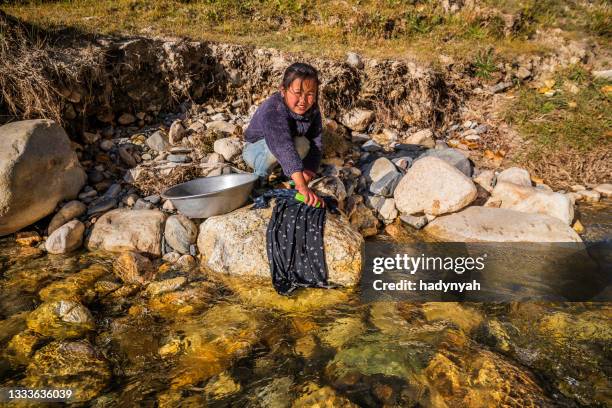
(106, 289)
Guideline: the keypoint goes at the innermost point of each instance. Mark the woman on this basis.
(286, 129)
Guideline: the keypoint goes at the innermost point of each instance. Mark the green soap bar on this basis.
(300, 198)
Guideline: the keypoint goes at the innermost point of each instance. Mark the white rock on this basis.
(423, 137)
(235, 244)
(604, 189)
(532, 200)
(378, 169)
(222, 126)
(357, 119)
(229, 148)
(38, 169)
(69, 211)
(605, 74)
(66, 238)
(128, 230)
(590, 196)
(485, 179)
(158, 142)
(515, 175)
(433, 186)
(484, 224)
(354, 60)
(387, 211)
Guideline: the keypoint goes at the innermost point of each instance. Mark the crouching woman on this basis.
(287, 130)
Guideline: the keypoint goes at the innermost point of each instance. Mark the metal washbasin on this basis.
(208, 196)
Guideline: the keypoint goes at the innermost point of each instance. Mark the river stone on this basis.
(385, 186)
(452, 156)
(38, 169)
(229, 148)
(378, 169)
(61, 319)
(222, 127)
(483, 224)
(485, 179)
(158, 142)
(69, 365)
(128, 230)
(69, 211)
(515, 175)
(126, 119)
(213, 340)
(330, 186)
(433, 186)
(180, 232)
(590, 196)
(314, 395)
(388, 211)
(176, 132)
(423, 137)
(66, 238)
(357, 119)
(235, 244)
(532, 200)
(131, 267)
(604, 189)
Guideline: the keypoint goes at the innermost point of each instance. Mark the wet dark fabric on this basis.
(294, 242)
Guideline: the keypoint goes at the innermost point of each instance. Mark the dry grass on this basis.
(387, 28)
(32, 71)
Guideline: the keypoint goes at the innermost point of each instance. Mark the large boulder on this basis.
(532, 200)
(128, 230)
(433, 186)
(38, 169)
(235, 244)
(484, 224)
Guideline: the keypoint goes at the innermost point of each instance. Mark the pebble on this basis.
(146, 156)
(142, 205)
(88, 194)
(371, 146)
(604, 189)
(153, 199)
(354, 60)
(500, 87)
(103, 205)
(414, 221)
(178, 158)
(590, 196)
(113, 191)
(357, 137)
(106, 145)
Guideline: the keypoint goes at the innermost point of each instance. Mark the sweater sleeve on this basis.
(278, 139)
(312, 161)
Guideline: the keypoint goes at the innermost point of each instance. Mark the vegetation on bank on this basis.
(567, 123)
(387, 28)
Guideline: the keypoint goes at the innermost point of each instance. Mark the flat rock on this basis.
(38, 169)
(532, 200)
(235, 244)
(484, 224)
(604, 189)
(128, 230)
(378, 169)
(222, 127)
(435, 187)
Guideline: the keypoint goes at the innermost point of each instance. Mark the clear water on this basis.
(227, 342)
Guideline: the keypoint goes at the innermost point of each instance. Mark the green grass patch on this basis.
(576, 116)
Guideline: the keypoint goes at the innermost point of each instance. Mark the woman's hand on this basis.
(308, 175)
(310, 198)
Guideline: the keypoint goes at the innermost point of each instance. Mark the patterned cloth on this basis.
(294, 242)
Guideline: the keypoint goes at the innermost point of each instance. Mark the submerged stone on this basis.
(61, 319)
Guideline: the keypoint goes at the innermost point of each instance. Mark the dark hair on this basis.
(299, 70)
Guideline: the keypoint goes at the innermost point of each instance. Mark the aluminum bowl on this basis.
(208, 196)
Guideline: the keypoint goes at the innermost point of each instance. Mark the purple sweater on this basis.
(278, 125)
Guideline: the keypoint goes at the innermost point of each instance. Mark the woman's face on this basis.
(300, 95)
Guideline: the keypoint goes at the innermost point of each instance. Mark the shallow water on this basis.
(229, 342)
